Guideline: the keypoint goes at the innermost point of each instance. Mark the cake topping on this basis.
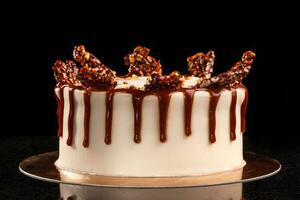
(141, 64)
(100, 77)
(158, 82)
(66, 73)
(235, 75)
(201, 65)
(93, 73)
(85, 58)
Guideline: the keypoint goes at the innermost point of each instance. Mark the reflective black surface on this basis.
(229, 191)
(14, 185)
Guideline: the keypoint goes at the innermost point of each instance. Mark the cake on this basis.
(147, 124)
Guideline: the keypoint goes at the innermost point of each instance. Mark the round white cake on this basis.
(147, 124)
(179, 155)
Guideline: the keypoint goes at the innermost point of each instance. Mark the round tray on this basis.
(42, 167)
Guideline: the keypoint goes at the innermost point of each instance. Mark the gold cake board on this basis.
(42, 167)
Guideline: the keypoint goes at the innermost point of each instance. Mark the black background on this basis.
(34, 35)
(40, 36)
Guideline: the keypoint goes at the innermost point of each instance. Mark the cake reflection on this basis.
(220, 192)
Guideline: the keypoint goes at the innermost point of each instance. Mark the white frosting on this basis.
(181, 155)
(139, 82)
(190, 82)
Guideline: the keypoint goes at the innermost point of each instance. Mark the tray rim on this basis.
(52, 180)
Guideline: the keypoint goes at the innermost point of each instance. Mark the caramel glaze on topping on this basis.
(201, 65)
(93, 73)
(66, 73)
(141, 64)
(158, 82)
(235, 75)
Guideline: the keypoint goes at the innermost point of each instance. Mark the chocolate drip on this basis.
(214, 99)
(60, 110)
(164, 101)
(244, 111)
(233, 115)
(188, 104)
(71, 117)
(137, 101)
(109, 116)
(87, 110)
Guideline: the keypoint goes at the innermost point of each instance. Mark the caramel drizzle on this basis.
(214, 99)
(188, 104)
(164, 101)
(87, 111)
(109, 116)
(137, 101)
(244, 111)
(233, 115)
(71, 117)
(60, 110)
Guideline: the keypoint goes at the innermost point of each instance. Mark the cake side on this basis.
(180, 155)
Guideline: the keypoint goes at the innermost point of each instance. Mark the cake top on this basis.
(145, 72)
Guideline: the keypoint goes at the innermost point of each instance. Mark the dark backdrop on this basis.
(37, 37)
